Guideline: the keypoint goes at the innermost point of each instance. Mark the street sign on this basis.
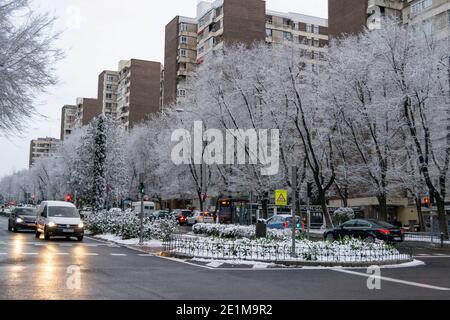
(281, 198)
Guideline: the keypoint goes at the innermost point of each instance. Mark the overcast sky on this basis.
(99, 33)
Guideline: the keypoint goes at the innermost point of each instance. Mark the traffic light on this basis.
(142, 189)
(68, 198)
(426, 201)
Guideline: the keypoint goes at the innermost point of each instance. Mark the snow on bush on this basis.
(343, 215)
(238, 232)
(126, 225)
(351, 250)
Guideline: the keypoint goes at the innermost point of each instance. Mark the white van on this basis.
(59, 219)
(149, 208)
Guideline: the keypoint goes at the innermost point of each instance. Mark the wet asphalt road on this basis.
(33, 269)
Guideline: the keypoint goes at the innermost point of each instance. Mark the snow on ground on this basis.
(256, 264)
(130, 242)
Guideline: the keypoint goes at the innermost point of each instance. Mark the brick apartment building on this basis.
(139, 91)
(87, 110)
(42, 147)
(352, 16)
(68, 119)
(226, 22)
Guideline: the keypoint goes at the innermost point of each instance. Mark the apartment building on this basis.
(307, 32)
(87, 110)
(352, 16)
(139, 91)
(229, 22)
(108, 83)
(180, 58)
(68, 119)
(190, 41)
(42, 147)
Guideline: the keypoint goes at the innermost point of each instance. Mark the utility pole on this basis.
(294, 209)
(308, 209)
(141, 217)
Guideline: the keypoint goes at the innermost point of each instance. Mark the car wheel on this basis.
(370, 239)
(330, 237)
(80, 239)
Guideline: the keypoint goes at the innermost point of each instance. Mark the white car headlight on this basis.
(19, 220)
(51, 225)
(81, 225)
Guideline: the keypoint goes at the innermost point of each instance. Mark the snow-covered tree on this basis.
(27, 61)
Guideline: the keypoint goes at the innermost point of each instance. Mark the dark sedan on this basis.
(368, 230)
(22, 218)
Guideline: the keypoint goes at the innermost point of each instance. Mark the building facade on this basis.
(108, 83)
(68, 119)
(226, 22)
(87, 110)
(42, 147)
(139, 91)
(180, 58)
(352, 16)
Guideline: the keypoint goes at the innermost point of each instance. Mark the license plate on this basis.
(397, 238)
(68, 230)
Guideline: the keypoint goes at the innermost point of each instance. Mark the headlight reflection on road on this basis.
(17, 248)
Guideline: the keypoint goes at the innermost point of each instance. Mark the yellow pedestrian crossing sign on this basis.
(281, 198)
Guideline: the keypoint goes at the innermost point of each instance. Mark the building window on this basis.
(108, 87)
(184, 40)
(181, 93)
(420, 6)
(269, 19)
(286, 22)
(269, 33)
(201, 49)
(183, 53)
(428, 27)
(108, 96)
(108, 105)
(183, 27)
(309, 41)
(316, 29)
(110, 78)
(287, 36)
(316, 43)
(309, 28)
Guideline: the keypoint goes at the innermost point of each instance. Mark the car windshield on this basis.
(63, 212)
(25, 212)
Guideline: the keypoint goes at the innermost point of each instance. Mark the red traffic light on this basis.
(68, 198)
(426, 201)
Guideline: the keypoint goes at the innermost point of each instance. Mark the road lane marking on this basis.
(119, 254)
(86, 254)
(3, 253)
(61, 254)
(145, 255)
(215, 264)
(409, 283)
(30, 254)
(432, 256)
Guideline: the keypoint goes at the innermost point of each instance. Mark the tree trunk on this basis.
(443, 223)
(383, 210)
(265, 205)
(326, 213)
(420, 214)
(202, 203)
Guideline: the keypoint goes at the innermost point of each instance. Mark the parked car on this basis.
(282, 221)
(22, 219)
(200, 217)
(182, 216)
(368, 230)
(58, 219)
(160, 214)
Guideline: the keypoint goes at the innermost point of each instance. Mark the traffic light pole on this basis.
(141, 216)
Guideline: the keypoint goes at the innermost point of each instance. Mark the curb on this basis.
(303, 263)
(134, 248)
